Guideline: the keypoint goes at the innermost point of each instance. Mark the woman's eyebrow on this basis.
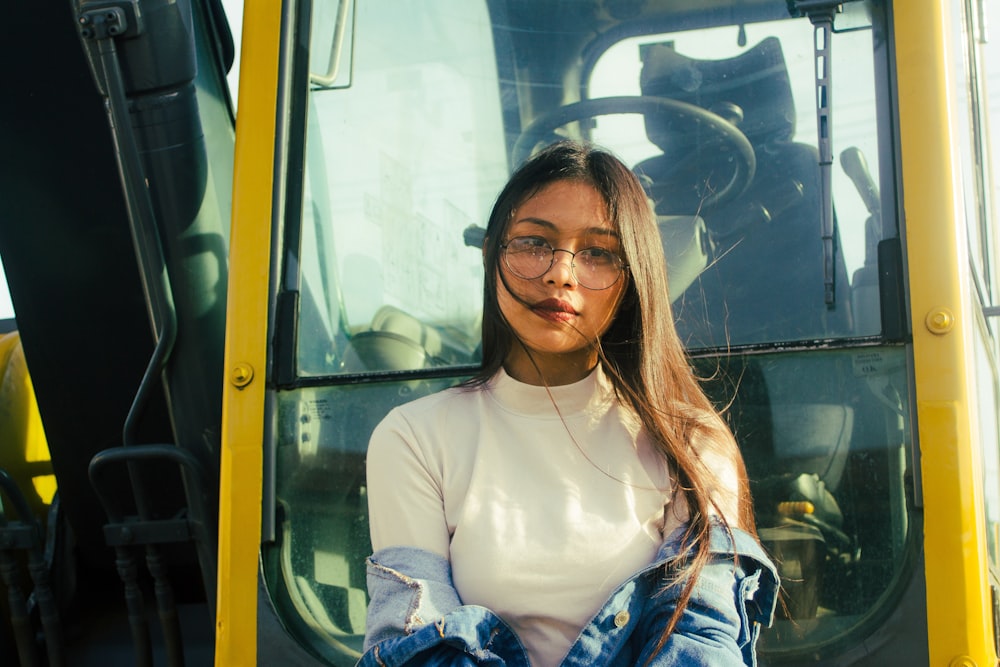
(541, 222)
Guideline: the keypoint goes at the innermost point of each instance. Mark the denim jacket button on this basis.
(621, 619)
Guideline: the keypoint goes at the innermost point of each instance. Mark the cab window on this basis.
(407, 120)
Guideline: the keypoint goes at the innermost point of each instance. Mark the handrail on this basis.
(333, 68)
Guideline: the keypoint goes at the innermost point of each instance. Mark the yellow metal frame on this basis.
(943, 318)
(959, 629)
(246, 337)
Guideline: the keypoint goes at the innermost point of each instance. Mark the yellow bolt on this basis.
(793, 507)
(940, 321)
(242, 374)
(962, 661)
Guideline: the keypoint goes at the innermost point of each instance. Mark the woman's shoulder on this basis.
(459, 397)
(428, 417)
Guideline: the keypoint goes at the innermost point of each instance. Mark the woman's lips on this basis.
(555, 310)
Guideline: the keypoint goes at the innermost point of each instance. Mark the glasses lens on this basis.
(596, 268)
(530, 257)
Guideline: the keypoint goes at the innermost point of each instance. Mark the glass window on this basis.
(989, 59)
(825, 436)
(991, 63)
(984, 237)
(405, 155)
(988, 397)
(406, 140)
(759, 276)
(971, 93)
(234, 14)
(399, 164)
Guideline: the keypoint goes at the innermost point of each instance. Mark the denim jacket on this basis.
(416, 617)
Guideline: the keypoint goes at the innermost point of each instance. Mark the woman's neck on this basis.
(550, 370)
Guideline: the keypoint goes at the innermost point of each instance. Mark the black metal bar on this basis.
(10, 488)
(200, 522)
(166, 607)
(105, 22)
(142, 532)
(48, 609)
(26, 535)
(135, 606)
(108, 22)
(17, 602)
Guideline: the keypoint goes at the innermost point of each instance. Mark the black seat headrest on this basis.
(756, 81)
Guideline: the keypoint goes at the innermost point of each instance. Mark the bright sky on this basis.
(6, 307)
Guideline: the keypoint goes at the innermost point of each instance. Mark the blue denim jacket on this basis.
(416, 617)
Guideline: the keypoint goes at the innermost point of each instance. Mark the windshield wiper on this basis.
(821, 13)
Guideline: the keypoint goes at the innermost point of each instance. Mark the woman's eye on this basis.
(597, 255)
(528, 244)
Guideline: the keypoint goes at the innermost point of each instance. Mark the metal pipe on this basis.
(333, 68)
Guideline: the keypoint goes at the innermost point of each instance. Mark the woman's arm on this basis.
(409, 534)
(733, 598)
(415, 617)
(405, 498)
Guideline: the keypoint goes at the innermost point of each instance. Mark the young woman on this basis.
(579, 502)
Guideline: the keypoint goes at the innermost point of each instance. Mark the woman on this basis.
(579, 502)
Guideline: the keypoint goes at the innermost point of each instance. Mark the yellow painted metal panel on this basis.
(246, 338)
(951, 467)
(959, 622)
(24, 451)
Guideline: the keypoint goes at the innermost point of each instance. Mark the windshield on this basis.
(413, 117)
(756, 274)
(406, 153)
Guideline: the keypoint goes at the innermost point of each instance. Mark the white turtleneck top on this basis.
(541, 512)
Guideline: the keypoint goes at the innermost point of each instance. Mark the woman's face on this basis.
(559, 319)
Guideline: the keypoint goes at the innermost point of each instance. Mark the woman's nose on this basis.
(561, 270)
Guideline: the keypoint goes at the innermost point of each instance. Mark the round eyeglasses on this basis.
(530, 257)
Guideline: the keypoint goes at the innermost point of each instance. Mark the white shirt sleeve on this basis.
(405, 500)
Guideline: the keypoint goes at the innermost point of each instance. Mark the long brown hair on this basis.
(640, 352)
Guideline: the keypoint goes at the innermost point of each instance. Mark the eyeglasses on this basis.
(530, 257)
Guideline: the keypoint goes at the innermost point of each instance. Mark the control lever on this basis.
(852, 160)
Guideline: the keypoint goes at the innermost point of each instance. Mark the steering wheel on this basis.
(680, 115)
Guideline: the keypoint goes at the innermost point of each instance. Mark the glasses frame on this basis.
(622, 265)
